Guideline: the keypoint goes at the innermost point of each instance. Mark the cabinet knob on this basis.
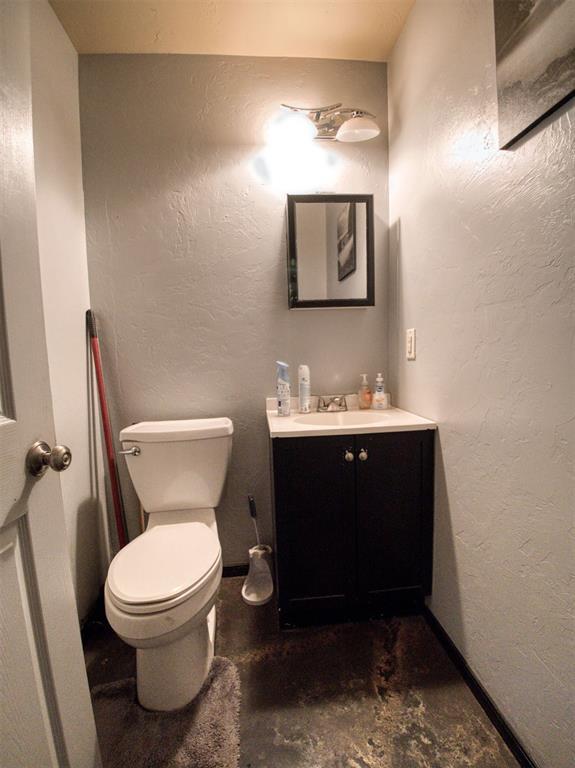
(362, 455)
(348, 455)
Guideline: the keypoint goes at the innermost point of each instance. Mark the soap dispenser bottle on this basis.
(364, 393)
(380, 400)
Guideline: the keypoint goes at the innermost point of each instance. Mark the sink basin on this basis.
(352, 422)
(341, 418)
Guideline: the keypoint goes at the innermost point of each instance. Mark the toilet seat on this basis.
(163, 567)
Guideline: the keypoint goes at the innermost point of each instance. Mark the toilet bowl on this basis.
(161, 588)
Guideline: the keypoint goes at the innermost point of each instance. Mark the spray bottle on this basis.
(304, 389)
(283, 389)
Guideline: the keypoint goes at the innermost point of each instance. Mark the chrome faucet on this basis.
(329, 403)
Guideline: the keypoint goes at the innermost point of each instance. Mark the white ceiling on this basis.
(324, 29)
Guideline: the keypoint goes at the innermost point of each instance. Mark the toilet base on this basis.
(170, 676)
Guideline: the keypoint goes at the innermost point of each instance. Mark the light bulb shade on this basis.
(358, 128)
(292, 128)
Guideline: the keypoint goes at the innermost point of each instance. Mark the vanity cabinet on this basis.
(353, 524)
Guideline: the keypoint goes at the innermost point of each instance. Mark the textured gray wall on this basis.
(482, 254)
(186, 245)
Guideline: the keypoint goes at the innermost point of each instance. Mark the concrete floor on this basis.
(371, 695)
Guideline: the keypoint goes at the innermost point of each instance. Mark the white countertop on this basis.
(350, 422)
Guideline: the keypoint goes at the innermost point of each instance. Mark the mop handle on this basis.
(117, 500)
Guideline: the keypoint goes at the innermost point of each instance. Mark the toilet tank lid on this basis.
(177, 430)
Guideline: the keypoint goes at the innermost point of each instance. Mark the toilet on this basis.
(161, 588)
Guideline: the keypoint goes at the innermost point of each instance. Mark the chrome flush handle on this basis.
(133, 451)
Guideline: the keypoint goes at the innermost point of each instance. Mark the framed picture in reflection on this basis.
(346, 256)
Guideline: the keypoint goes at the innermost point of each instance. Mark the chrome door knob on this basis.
(348, 456)
(362, 455)
(41, 456)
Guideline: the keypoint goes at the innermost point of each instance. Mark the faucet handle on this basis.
(331, 403)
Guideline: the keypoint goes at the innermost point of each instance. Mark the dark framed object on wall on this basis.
(330, 251)
(535, 62)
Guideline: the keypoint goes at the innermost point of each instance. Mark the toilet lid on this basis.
(163, 563)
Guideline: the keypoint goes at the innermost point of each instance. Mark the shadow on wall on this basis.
(393, 307)
(88, 550)
(444, 560)
(251, 442)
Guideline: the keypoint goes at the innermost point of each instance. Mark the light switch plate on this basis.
(410, 343)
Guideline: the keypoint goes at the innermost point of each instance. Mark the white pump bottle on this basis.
(380, 399)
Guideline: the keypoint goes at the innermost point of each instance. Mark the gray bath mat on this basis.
(205, 734)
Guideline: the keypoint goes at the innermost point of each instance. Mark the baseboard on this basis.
(235, 570)
(515, 747)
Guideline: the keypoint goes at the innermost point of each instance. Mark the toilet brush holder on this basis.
(258, 587)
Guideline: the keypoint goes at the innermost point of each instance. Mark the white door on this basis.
(46, 718)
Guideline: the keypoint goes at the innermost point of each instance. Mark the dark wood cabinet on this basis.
(353, 538)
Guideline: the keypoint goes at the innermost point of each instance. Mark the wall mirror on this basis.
(330, 251)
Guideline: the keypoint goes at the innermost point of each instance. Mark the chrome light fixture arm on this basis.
(329, 119)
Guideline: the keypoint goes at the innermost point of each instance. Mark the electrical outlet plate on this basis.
(410, 343)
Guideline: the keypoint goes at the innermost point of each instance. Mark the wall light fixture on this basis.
(338, 123)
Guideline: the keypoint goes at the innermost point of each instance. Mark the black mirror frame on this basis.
(294, 302)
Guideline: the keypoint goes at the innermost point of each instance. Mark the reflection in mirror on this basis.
(330, 253)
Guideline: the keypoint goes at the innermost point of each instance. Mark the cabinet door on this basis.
(315, 526)
(393, 515)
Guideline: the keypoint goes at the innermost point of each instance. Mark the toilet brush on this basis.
(258, 587)
(254, 516)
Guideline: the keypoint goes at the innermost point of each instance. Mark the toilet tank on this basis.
(178, 464)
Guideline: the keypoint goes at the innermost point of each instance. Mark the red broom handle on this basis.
(106, 426)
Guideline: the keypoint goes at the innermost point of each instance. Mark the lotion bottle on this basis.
(304, 389)
(283, 389)
(364, 393)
